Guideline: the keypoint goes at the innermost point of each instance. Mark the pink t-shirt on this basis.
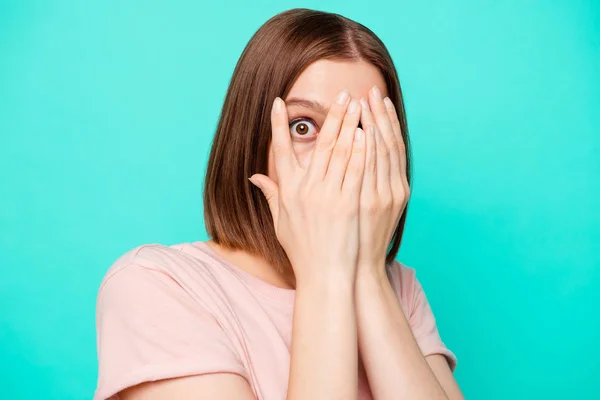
(180, 310)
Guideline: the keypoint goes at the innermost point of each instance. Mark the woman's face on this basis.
(314, 91)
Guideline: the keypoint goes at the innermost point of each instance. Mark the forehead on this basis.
(324, 79)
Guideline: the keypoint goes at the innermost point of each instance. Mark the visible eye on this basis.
(303, 128)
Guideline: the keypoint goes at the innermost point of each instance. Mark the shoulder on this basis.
(137, 277)
(180, 261)
(405, 284)
(158, 316)
(169, 272)
(150, 257)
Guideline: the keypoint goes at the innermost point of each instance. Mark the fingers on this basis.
(366, 115)
(270, 190)
(369, 184)
(383, 164)
(385, 128)
(383, 123)
(356, 166)
(393, 117)
(343, 147)
(281, 143)
(368, 123)
(328, 137)
(382, 153)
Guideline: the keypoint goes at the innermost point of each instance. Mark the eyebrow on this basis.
(312, 104)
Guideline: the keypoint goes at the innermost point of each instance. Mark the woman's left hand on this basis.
(385, 191)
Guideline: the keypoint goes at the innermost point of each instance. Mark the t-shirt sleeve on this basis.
(425, 328)
(149, 328)
(420, 316)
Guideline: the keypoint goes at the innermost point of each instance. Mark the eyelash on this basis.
(303, 119)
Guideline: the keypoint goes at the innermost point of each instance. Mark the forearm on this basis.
(392, 358)
(324, 355)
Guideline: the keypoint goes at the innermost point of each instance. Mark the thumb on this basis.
(270, 190)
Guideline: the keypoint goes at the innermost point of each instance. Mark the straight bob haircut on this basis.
(236, 213)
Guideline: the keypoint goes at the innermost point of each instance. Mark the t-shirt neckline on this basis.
(272, 292)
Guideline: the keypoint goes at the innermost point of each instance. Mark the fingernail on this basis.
(343, 97)
(364, 103)
(277, 105)
(371, 130)
(359, 134)
(353, 106)
(376, 92)
(388, 104)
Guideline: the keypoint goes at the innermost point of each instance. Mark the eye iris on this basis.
(302, 129)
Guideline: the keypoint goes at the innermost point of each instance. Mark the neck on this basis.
(255, 265)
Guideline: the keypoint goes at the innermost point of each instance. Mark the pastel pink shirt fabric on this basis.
(173, 311)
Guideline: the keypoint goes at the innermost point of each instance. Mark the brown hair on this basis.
(236, 213)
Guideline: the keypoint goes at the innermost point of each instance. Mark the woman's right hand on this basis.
(316, 210)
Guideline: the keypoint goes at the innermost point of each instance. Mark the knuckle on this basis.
(371, 164)
(269, 196)
(325, 145)
(337, 111)
(351, 172)
(358, 150)
(394, 143)
(379, 112)
(399, 193)
(401, 144)
(350, 121)
(386, 203)
(335, 116)
(370, 206)
(354, 169)
(384, 151)
(341, 152)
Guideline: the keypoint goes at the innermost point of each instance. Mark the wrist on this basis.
(327, 279)
(372, 276)
(326, 294)
(371, 269)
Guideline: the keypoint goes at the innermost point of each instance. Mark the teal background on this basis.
(107, 110)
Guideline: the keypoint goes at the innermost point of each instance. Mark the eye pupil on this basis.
(302, 129)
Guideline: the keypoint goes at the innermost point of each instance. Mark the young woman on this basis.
(297, 295)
